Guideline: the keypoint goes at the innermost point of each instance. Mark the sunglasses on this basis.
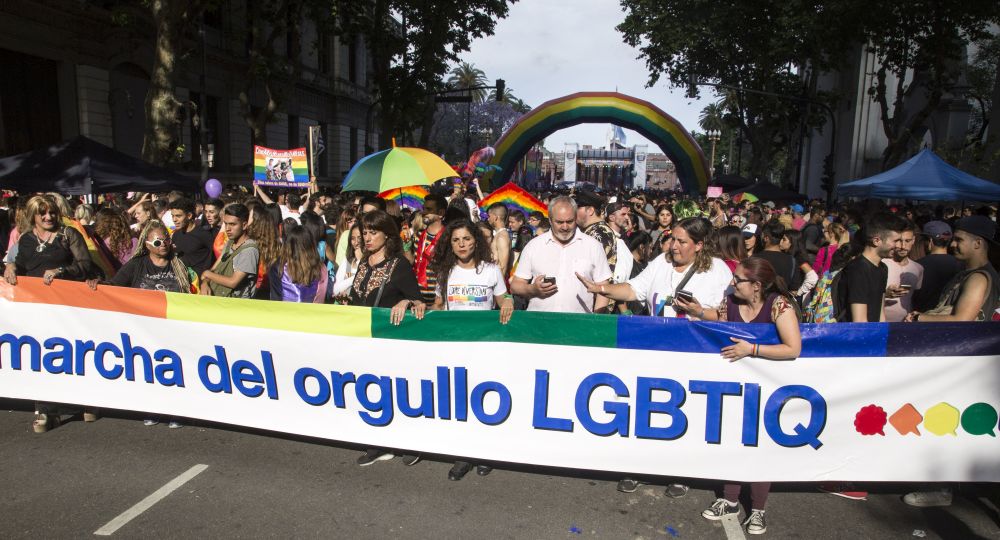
(159, 242)
(737, 280)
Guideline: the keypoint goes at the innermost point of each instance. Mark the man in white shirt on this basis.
(549, 265)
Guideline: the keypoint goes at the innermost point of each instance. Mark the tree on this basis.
(919, 46)
(711, 117)
(773, 46)
(466, 75)
(171, 20)
(412, 43)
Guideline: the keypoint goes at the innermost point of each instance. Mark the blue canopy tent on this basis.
(924, 177)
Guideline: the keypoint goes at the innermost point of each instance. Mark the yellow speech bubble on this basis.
(942, 419)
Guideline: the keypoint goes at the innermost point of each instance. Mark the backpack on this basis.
(824, 307)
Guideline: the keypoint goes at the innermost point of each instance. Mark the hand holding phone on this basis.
(686, 296)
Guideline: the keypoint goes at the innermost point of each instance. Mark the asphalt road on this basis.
(76, 479)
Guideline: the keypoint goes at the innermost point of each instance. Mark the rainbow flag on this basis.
(409, 196)
(514, 198)
(96, 255)
(280, 168)
(748, 197)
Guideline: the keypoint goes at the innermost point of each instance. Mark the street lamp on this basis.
(713, 136)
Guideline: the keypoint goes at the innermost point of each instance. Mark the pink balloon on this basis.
(213, 188)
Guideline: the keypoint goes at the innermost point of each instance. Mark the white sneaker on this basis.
(150, 422)
(175, 425)
(927, 499)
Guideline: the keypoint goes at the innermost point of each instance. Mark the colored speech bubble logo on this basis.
(906, 420)
(941, 419)
(980, 419)
(870, 420)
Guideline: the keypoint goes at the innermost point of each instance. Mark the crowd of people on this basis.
(625, 254)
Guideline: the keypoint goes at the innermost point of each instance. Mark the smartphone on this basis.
(549, 280)
(905, 287)
(684, 295)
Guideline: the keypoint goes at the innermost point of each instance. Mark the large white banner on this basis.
(688, 414)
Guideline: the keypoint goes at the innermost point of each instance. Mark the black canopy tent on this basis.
(82, 166)
(730, 182)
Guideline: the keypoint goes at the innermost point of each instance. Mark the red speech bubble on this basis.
(870, 420)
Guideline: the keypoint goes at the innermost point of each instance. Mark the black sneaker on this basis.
(459, 470)
(676, 491)
(410, 460)
(755, 524)
(372, 455)
(628, 485)
(483, 470)
(720, 509)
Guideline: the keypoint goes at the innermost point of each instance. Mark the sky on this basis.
(546, 49)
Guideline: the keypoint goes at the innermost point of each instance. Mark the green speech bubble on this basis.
(979, 419)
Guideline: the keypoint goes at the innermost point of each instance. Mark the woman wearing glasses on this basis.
(758, 296)
(154, 265)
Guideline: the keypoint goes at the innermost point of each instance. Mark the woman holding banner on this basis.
(758, 296)
(50, 251)
(385, 279)
(469, 280)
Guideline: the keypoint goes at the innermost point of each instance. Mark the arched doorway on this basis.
(604, 107)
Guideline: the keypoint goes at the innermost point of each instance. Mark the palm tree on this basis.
(711, 117)
(466, 75)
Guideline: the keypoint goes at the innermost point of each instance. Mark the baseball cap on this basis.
(797, 208)
(980, 226)
(937, 229)
(750, 229)
(589, 198)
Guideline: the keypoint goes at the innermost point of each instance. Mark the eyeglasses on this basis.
(159, 242)
(737, 279)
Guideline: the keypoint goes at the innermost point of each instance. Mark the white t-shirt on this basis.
(657, 283)
(474, 288)
(912, 274)
(546, 256)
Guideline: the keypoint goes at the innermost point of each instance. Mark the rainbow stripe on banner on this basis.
(514, 198)
(916, 401)
(409, 196)
(280, 168)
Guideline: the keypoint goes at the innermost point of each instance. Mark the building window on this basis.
(210, 125)
(325, 48)
(323, 158)
(293, 131)
(352, 60)
(353, 144)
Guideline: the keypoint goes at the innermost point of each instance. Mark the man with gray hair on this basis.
(546, 273)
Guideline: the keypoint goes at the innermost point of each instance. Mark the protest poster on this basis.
(645, 395)
(714, 192)
(280, 168)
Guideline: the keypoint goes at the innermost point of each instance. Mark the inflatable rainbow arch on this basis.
(600, 107)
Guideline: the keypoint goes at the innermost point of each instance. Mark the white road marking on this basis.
(734, 530)
(148, 502)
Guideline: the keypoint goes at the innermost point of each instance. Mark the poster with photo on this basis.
(280, 168)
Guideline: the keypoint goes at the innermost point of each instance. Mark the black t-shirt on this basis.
(141, 273)
(195, 248)
(784, 266)
(939, 268)
(863, 283)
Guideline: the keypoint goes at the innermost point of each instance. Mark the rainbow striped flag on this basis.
(280, 168)
(409, 196)
(515, 198)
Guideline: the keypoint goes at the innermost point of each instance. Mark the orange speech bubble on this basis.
(906, 420)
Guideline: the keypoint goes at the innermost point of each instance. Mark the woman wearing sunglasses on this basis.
(154, 265)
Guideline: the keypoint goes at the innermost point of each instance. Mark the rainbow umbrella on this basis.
(748, 197)
(514, 198)
(409, 196)
(397, 167)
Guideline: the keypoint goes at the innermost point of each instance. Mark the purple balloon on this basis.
(213, 188)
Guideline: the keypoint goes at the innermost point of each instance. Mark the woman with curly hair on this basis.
(155, 265)
(299, 275)
(113, 230)
(468, 279)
